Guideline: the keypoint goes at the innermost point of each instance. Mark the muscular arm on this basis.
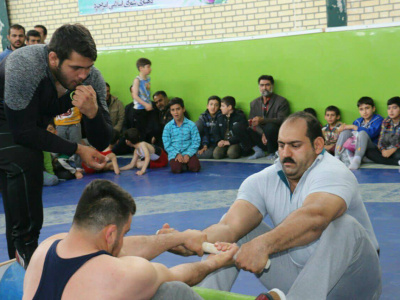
(241, 218)
(151, 246)
(300, 228)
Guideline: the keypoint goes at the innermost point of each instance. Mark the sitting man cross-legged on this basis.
(95, 261)
(322, 245)
(267, 113)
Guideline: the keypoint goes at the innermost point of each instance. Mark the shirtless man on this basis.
(95, 261)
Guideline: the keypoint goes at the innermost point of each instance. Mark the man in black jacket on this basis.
(36, 84)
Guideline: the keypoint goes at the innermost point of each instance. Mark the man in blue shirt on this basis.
(16, 37)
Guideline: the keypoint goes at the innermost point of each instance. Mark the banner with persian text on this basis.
(90, 7)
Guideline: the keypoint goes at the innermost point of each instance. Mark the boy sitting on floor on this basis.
(229, 124)
(388, 150)
(367, 129)
(330, 130)
(181, 139)
(207, 121)
(145, 154)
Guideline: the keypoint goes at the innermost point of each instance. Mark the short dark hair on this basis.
(365, 100)
(107, 85)
(334, 109)
(266, 77)
(313, 126)
(32, 32)
(141, 62)
(162, 93)
(73, 37)
(44, 28)
(178, 101)
(103, 203)
(311, 110)
(17, 27)
(214, 98)
(132, 135)
(394, 100)
(229, 100)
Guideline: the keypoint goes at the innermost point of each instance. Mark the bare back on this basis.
(102, 277)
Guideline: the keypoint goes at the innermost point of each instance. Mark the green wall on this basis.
(313, 70)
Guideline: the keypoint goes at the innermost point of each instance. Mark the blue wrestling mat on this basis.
(198, 200)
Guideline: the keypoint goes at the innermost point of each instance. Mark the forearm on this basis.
(221, 233)
(151, 246)
(193, 273)
(99, 129)
(300, 228)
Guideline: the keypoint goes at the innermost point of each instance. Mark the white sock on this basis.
(257, 149)
(355, 163)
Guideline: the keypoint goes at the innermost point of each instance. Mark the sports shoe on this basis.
(24, 252)
(272, 156)
(273, 294)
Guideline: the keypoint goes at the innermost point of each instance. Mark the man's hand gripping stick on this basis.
(210, 248)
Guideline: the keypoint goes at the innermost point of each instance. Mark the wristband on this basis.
(72, 95)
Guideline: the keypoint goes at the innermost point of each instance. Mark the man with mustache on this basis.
(16, 37)
(36, 84)
(322, 244)
(267, 113)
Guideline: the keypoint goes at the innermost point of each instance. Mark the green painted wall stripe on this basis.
(316, 70)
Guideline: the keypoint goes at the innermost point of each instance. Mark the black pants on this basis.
(21, 171)
(376, 156)
(250, 138)
(147, 123)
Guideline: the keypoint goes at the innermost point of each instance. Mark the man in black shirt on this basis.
(36, 84)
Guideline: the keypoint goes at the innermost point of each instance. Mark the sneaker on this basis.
(272, 156)
(24, 252)
(273, 294)
(256, 155)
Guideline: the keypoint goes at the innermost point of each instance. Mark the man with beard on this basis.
(16, 37)
(267, 113)
(95, 261)
(36, 84)
(322, 244)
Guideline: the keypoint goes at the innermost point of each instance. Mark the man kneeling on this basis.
(95, 261)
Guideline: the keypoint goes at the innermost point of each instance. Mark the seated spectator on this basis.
(230, 123)
(49, 177)
(181, 139)
(388, 150)
(43, 33)
(331, 130)
(129, 122)
(32, 37)
(160, 116)
(363, 134)
(266, 116)
(145, 154)
(68, 127)
(206, 123)
(312, 112)
(116, 109)
(16, 37)
(111, 158)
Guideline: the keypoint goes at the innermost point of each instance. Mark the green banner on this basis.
(4, 23)
(336, 12)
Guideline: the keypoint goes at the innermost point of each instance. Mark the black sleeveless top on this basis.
(57, 271)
